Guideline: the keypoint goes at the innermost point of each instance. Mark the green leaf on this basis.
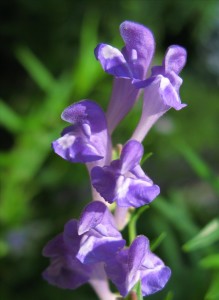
(198, 165)
(39, 73)
(169, 296)
(206, 237)
(9, 119)
(210, 262)
(213, 292)
(176, 212)
(158, 241)
(145, 157)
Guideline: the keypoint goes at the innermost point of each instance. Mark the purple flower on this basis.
(138, 263)
(126, 66)
(78, 254)
(161, 90)
(123, 180)
(87, 139)
(99, 238)
(65, 270)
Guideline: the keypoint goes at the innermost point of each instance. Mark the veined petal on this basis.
(91, 216)
(133, 264)
(131, 155)
(102, 223)
(175, 59)
(87, 140)
(154, 280)
(169, 94)
(76, 149)
(112, 61)
(104, 181)
(159, 97)
(94, 250)
(136, 192)
(137, 252)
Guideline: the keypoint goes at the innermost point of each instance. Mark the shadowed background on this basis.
(47, 63)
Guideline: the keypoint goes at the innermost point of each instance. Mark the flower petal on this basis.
(112, 61)
(131, 155)
(169, 94)
(91, 216)
(136, 192)
(66, 277)
(175, 59)
(139, 47)
(76, 149)
(55, 247)
(104, 181)
(137, 251)
(154, 280)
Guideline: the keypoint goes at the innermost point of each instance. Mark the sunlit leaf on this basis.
(213, 292)
(39, 73)
(9, 119)
(210, 262)
(206, 237)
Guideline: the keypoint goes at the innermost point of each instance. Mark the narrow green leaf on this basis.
(158, 241)
(213, 292)
(199, 166)
(39, 73)
(9, 119)
(176, 214)
(169, 296)
(206, 237)
(210, 262)
(145, 157)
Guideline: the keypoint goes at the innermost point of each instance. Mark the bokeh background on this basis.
(47, 63)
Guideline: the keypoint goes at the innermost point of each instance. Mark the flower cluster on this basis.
(92, 248)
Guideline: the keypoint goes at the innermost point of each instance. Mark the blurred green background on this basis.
(47, 63)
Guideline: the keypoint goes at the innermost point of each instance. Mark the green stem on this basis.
(132, 223)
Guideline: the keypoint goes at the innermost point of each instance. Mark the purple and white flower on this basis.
(87, 139)
(161, 90)
(78, 255)
(124, 181)
(127, 65)
(138, 263)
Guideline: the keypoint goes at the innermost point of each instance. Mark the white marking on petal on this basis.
(134, 54)
(110, 52)
(66, 141)
(86, 129)
(122, 186)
